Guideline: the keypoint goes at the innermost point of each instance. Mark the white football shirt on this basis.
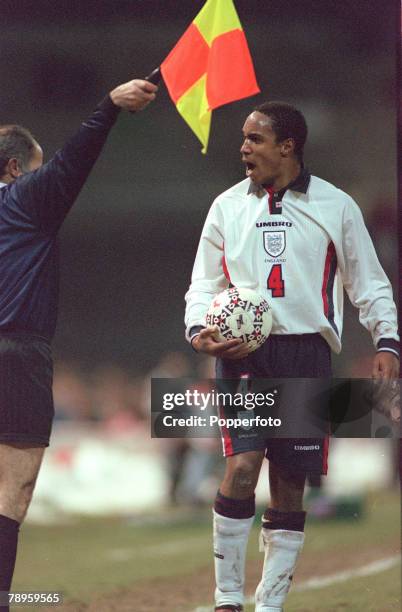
(299, 254)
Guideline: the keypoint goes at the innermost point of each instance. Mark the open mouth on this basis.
(249, 168)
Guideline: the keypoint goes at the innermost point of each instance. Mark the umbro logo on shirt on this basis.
(274, 224)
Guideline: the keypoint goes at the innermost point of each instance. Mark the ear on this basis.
(13, 168)
(287, 147)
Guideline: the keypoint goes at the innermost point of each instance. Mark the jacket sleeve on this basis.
(365, 281)
(46, 195)
(208, 278)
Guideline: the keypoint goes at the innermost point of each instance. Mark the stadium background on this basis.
(127, 248)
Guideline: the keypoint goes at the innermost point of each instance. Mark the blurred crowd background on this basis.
(128, 246)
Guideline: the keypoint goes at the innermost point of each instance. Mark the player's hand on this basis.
(385, 366)
(385, 373)
(395, 405)
(207, 342)
(134, 95)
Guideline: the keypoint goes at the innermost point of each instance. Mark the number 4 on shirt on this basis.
(275, 281)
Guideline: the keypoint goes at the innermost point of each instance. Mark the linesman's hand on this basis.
(206, 342)
(134, 95)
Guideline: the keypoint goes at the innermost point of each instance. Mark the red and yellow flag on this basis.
(209, 66)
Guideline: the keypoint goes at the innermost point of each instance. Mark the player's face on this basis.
(260, 151)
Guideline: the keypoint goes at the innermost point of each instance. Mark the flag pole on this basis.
(154, 76)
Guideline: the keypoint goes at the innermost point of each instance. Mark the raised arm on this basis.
(46, 195)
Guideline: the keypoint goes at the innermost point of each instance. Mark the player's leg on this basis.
(19, 467)
(286, 488)
(234, 507)
(234, 512)
(282, 537)
(307, 357)
(241, 475)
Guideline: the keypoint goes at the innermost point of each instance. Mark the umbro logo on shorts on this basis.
(307, 448)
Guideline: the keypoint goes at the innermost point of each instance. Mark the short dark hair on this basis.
(286, 122)
(15, 141)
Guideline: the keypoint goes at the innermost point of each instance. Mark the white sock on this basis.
(230, 545)
(282, 548)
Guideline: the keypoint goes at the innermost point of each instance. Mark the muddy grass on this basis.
(184, 593)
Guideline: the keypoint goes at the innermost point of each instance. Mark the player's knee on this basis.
(243, 478)
(289, 478)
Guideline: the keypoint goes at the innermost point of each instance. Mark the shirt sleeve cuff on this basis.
(193, 333)
(108, 107)
(388, 345)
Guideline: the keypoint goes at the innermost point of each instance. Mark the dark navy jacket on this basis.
(32, 209)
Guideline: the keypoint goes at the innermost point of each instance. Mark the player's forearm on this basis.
(199, 296)
(364, 279)
(196, 309)
(377, 310)
(379, 316)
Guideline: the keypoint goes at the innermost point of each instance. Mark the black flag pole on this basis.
(154, 76)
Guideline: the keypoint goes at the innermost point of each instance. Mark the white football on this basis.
(241, 313)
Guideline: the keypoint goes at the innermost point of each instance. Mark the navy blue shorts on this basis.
(26, 398)
(304, 356)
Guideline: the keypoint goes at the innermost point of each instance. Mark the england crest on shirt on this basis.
(275, 242)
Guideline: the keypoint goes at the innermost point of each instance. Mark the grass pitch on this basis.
(165, 562)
